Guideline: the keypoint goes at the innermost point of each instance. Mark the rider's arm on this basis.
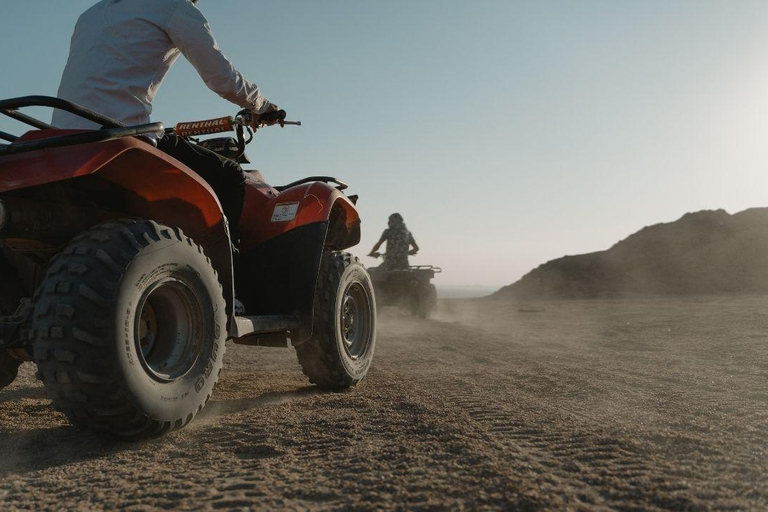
(190, 32)
(412, 241)
(381, 241)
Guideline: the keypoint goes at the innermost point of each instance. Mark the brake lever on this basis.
(282, 124)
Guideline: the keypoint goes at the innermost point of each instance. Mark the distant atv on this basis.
(408, 288)
(117, 271)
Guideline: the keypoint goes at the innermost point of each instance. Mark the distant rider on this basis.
(119, 55)
(399, 241)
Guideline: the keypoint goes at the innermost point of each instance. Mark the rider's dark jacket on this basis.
(399, 240)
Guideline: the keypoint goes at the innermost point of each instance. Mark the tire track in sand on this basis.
(574, 453)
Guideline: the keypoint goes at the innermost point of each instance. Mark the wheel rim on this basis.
(356, 319)
(167, 332)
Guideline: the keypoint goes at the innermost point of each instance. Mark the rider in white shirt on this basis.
(120, 53)
(122, 49)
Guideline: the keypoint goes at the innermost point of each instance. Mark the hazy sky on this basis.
(507, 133)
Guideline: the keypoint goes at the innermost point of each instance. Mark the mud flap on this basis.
(279, 277)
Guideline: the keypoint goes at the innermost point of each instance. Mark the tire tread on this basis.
(69, 332)
(318, 356)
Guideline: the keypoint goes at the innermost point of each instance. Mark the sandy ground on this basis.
(630, 405)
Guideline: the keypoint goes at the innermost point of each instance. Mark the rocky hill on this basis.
(708, 252)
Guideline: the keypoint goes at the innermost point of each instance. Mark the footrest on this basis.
(268, 324)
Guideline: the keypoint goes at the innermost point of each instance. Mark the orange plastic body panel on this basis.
(313, 202)
(160, 187)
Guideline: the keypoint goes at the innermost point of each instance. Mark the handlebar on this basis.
(384, 255)
(207, 127)
(269, 118)
(273, 117)
(229, 123)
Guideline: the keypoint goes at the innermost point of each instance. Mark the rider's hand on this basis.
(272, 115)
(413, 252)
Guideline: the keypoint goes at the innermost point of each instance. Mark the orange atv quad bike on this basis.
(118, 279)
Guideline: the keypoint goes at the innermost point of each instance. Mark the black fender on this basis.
(279, 277)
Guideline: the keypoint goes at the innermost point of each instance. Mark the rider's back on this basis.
(121, 51)
(119, 55)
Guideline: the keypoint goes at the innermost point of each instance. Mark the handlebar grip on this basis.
(275, 116)
(219, 125)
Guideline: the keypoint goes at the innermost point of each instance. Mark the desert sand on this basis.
(581, 405)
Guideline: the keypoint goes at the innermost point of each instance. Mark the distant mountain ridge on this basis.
(707, 252)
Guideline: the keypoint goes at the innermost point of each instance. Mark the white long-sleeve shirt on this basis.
(122, 49)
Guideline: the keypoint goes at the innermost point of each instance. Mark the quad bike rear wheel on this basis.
(128, 329)
(339, 354)
(425, 300)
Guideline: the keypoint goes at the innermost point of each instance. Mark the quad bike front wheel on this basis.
(340, 352)
(128, 329)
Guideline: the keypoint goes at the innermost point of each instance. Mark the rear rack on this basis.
(111, 129)
(437, 270)
(326, 179)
